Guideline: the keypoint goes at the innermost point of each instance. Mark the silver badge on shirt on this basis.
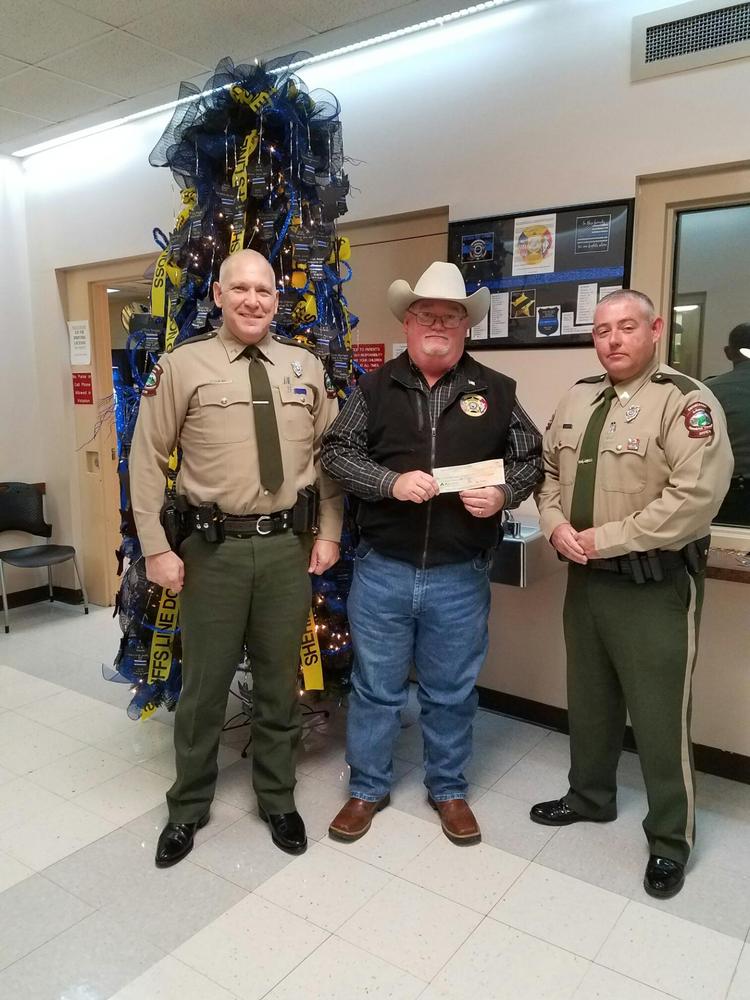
(631, 413)
(297, 368)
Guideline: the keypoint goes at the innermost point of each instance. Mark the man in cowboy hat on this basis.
(420, 595)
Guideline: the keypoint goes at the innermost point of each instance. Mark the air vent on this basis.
(689, 36)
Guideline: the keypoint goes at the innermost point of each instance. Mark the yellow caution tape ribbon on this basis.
(172, 329)
(189, 199)
(165, 623)
(253, 101)
(310, 660)
(239, 181)
(342, 250)
(159, 285)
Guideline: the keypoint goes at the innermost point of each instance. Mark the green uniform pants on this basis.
(632, 647)
(254, 590)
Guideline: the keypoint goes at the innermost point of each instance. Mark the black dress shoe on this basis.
(557, 813)
(287, 830)
(176, 842)
(664, 878)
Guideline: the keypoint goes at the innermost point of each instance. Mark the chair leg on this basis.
(49, 585)
(5, 598)
(83, 589)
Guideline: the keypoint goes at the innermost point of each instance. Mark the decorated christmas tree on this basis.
(260, 164)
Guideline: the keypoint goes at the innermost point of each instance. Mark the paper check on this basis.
(453, 478)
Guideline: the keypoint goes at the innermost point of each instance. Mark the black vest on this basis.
(400, 437)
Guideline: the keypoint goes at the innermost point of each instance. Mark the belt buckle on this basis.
(264, 517)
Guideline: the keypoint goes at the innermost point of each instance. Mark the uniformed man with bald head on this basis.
(637, 462)
(248, 413)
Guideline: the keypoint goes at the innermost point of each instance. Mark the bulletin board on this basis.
(546, 271)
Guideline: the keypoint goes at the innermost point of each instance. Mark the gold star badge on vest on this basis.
(474, 405)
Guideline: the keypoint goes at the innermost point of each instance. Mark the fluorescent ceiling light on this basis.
(110, 291)
(389, 36)
(433, 22)
(684, 309)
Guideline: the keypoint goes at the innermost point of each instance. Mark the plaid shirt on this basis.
(345, 455)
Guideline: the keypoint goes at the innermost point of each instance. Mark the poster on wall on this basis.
(369, 356)
(546, 271)
(80, 342)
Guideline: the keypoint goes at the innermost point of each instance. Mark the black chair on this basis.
(22, 509)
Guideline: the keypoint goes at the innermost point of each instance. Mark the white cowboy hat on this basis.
(439, 281)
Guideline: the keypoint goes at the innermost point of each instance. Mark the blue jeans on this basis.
(435, 619)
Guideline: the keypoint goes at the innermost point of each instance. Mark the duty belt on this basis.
(652, 565)
(247, 525)
(647, 562)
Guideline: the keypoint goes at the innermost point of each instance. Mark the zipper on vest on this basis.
(433, 434)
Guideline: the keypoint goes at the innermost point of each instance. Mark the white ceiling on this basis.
(68, 64)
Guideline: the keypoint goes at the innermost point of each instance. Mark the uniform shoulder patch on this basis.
(698, 420)
(152, 381)
(683, 382)
(209, 335)
(592, 379)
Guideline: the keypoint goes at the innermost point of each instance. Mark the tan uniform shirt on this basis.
(202, 400)
(660, 479)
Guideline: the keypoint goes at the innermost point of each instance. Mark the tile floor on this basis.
(531, 913)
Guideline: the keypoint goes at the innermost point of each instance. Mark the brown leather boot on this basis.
(355, 819)
(458, 821)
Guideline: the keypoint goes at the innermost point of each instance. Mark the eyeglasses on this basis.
(450, 322)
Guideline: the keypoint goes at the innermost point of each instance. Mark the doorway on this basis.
(85, 296)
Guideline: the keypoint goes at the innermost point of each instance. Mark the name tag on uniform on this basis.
(294, 393)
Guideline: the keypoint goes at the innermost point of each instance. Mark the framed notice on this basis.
(546, 271)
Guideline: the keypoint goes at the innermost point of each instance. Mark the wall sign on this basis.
(80, 342)
(83, 389)
(546, 271)
(369, 356)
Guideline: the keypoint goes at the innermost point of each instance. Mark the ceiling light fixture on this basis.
(389, 36)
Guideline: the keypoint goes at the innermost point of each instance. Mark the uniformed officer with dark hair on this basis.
(637, 462)
(732, 389)
(249, 414)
